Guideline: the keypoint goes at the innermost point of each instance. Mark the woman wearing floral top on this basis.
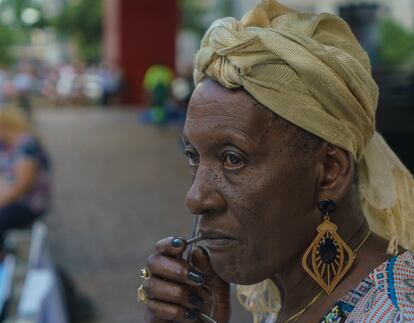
(24, 173)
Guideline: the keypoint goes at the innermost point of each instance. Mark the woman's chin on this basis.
(232, 272)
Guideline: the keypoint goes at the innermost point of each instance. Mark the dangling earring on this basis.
(328, 258)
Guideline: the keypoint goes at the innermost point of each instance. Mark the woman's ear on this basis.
(335, 168)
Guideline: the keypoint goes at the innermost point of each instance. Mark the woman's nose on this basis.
(203, 196)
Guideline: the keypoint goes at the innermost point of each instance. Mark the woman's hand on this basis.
(178, 291)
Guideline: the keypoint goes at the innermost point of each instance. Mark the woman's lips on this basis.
(217, 240)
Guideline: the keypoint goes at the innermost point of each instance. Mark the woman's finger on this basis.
(172, 246)
(205, 294)
(157, 310)
(201, 260)
(148, 320)
(220, 290)
(174, 270)
(161, 290)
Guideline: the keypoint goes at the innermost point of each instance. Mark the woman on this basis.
(299, 199)
(24, 173)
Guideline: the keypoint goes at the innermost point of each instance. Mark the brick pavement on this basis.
(118, 187)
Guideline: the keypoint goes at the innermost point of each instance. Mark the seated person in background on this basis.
(24, 173)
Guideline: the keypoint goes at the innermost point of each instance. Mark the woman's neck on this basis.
(298, 289)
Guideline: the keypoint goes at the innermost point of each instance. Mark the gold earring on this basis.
(328, 258)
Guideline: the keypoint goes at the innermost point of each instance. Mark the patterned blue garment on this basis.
(28, 147)
(386, 295)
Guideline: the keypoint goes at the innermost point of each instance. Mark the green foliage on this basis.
(192, 16)
(226, 8)
(396, 44)
(6, 40)
(18, 6)
(16, 32)
(81, 20)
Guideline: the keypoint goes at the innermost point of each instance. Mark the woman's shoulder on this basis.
(391, 296)
(28, 144)
(29, 147)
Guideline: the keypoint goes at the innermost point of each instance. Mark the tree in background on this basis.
(6, 40)
(17, 19)
(192, 16)
(396, 46)
(81, 22)
(195, 14)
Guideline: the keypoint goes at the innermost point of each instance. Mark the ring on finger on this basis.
(143, 273)
(141, 297)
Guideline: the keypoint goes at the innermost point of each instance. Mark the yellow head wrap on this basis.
(311, 70)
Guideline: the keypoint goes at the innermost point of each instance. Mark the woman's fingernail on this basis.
(177, 242)
(196, 276)
(191, 314)
(195, 299)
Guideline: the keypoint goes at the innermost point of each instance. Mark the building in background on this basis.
(137, 35)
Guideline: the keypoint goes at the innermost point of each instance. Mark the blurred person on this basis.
(111, 83)
(65, 83)
(24, 172)
(49, 87)
(24, 86)
(157, 84)
(300, 201)
(9, 89)
(78, 95)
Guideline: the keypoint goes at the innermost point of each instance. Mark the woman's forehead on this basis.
(214, 107)
(210, 98)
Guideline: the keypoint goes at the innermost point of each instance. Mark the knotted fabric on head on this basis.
(307, 68)
(310, 70)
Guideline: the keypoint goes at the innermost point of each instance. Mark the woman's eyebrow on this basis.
(239, 134)
(233, 133)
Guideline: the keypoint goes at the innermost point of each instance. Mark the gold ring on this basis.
(144, 273)
(141, 298)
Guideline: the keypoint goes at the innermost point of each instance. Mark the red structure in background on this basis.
(138, 34)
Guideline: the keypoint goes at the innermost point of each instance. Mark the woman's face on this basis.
(256, 194)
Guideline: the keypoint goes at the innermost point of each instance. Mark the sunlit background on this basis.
(106, 84)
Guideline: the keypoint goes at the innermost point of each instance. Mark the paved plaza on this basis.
(118, 188)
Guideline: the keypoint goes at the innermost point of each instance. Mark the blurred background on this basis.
(105, 85)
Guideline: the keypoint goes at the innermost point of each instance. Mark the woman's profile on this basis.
(24, 172)
(301, 202)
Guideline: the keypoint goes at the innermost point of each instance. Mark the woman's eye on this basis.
(193, 158)
(231, 160)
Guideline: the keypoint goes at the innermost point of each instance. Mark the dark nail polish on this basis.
(177, 242)
(196, 276)
(191, 314)
(195, 299)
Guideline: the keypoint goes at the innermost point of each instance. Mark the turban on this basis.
(310, 70)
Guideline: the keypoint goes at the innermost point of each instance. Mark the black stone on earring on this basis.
(328, 250)
(327, 206)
